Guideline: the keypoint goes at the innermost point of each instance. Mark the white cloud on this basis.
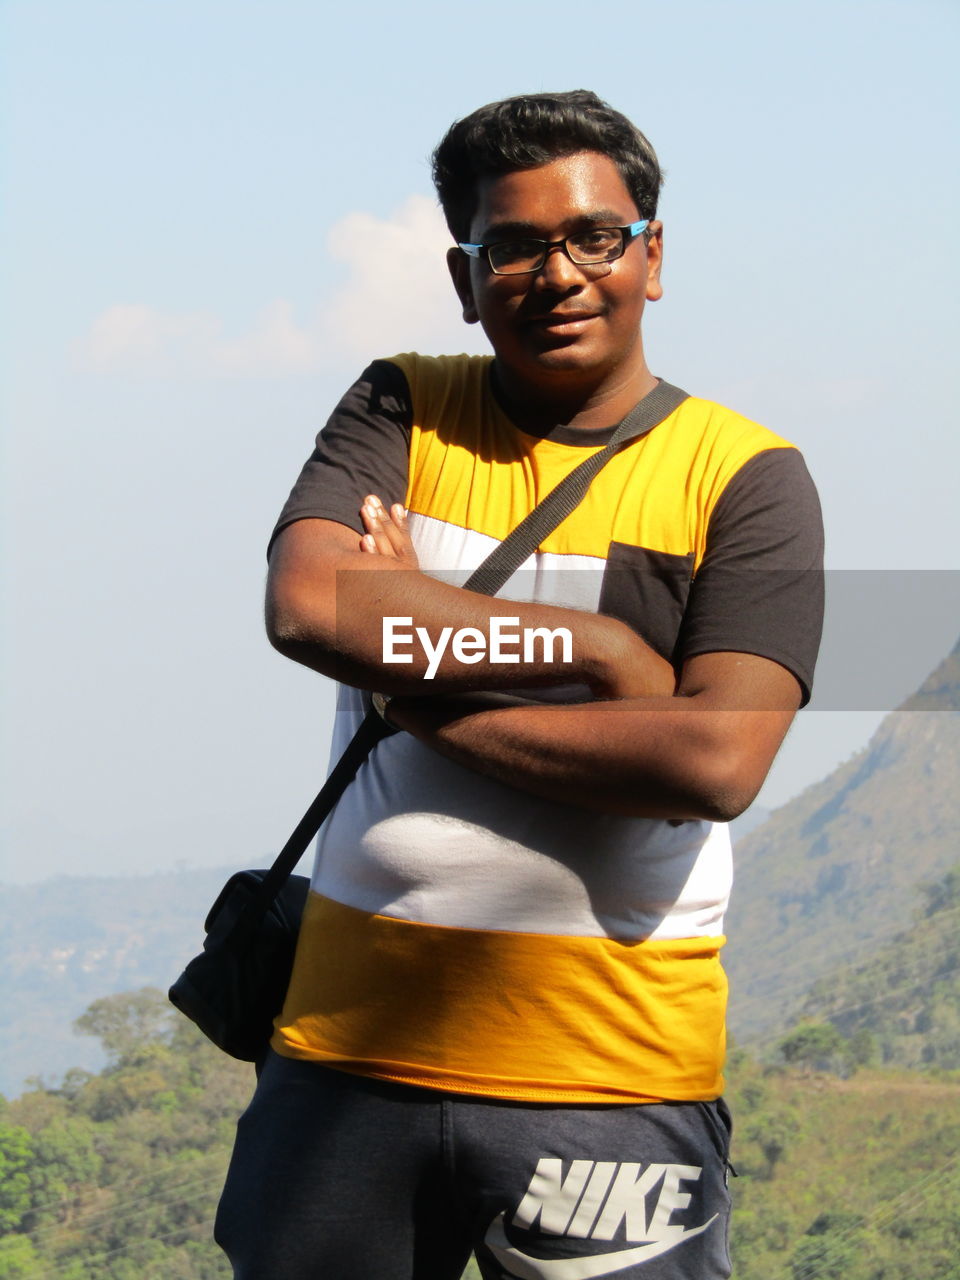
(135, 338)
(397, 296)
(276, 345)
(139, 339)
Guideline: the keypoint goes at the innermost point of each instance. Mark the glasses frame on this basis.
(627, 235)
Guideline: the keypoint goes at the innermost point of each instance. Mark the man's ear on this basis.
(654, 261)
(458, 264)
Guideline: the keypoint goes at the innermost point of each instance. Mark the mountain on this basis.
(754, 817)
(67, 941)
(833, 875)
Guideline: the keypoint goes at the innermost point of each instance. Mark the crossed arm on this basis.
(649, 745)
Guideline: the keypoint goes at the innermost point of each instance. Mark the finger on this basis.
(406, 550)
(383, 525)
(398, 516)
(378, 526)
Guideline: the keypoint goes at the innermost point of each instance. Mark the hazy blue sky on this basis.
(220, 212)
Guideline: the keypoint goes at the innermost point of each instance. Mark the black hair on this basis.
(535, 129)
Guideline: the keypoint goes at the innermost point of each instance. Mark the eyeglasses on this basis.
(585, 249)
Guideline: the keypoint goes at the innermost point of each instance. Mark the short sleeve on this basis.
(364, 448)
(759, 588)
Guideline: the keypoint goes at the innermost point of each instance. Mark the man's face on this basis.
(564, 325)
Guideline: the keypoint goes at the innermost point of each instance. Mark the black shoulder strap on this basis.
(521, 542)
(499, 566)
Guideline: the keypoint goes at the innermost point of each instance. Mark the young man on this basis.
(505, 1026)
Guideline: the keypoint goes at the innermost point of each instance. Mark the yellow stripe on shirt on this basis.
(471, 467)
(526, 1016)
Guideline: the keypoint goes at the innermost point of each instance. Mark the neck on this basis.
(565, 403)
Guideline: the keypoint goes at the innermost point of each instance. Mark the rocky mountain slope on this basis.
(834, 875)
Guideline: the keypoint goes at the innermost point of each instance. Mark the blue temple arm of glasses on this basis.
(472, 249)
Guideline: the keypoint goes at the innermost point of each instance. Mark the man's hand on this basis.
(387, 534)
(626, 672)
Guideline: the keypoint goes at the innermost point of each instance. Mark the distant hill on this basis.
(67, 941)
(754, 817)
(833, 875)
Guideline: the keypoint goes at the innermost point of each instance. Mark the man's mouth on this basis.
(563, 321)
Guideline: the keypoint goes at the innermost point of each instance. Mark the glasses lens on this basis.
(511, 257)
(603, 244)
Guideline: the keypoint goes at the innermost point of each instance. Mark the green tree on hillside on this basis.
(830, 1249)
(814, 1046)
(17, 1157)
(117, 1174)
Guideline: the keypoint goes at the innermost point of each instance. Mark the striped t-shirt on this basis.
(464, 935)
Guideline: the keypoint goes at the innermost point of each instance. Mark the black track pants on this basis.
(337, 1177)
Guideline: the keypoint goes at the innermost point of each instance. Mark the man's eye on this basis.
(598, 241)
(516, 250)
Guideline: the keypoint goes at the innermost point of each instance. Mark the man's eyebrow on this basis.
(503, 230)
(530, 230)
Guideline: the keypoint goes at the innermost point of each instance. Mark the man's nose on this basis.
(558, 271)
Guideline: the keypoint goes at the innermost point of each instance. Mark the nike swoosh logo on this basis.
(524, 1267)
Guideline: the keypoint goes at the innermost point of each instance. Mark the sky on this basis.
(215, 214)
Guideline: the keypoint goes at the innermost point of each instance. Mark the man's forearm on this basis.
(661, 757)
(329, 613)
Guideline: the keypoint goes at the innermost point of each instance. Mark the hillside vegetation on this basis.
(116, 1175)
(903, 1005)
(845, 1179)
